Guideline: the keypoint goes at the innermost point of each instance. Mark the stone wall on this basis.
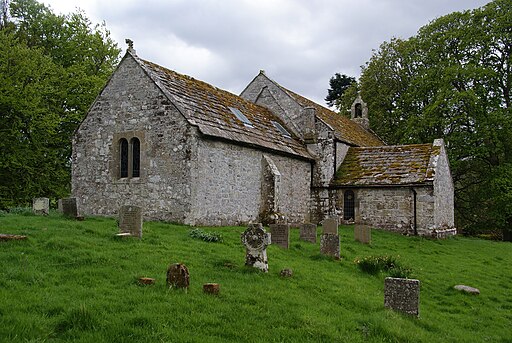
(132, 106)
(392, 208)
(443, 190)
(228, 179)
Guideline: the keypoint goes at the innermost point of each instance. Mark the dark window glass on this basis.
(348, 205)
(359, 111)
(124, 157)
(135, 157)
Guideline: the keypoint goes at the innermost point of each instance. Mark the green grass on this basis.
(74, 281)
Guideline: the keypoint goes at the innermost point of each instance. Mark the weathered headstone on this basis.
(130, 220)
(69, 207)
(41, 206)
(256, 240)
(59, 205)
(363, 233)
(211, 288)
(280, 234)
(178, 276)
(308, 232)
(402, 295)
(287, 272)
(330, 225)
(330, 245)
(146, 281)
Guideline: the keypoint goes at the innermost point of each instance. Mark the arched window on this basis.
(359, 111)
(348, 205)
(123, 149)
(135, 144)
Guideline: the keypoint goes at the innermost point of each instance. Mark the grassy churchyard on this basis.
(75, 281)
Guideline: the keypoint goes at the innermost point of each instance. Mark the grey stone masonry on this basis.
(41, 206)
(330, 245)
(130, 220)
(308, 232)
(256, 240)
(330, 225)
(69, 207)
(402, 295)
(280, 234)
(363, 233)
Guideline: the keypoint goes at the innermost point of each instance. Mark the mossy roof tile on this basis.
(345, 129)
(208, 108)
(387, 165)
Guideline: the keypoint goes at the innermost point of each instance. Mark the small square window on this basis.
(283, 131)
(240, 116)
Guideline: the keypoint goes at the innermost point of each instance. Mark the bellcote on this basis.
(359, 112)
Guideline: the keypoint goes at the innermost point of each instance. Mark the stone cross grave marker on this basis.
(130, 220)
(308, 232)
(256, 240)
(41, 206)
(280, 234)
(330, 245)
(363, 233)
(69, 207)
(402, 295)
(178, 276)
(330, 225)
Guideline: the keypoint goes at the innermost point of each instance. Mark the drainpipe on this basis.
(414, 211)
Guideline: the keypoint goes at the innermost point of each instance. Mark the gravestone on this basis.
(69, 207)
(363, 233)
(330, 225)
(330, 245)
(308, 232)
(211, 288)
(130, 220)
(178, 276)
(59, 205)
(256, 240)
(402, 295)
(280, 234)
(41, 206)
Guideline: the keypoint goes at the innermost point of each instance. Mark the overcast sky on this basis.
(299, 43)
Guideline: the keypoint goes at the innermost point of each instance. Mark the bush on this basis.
(206, 236)
(376, 264)
(23, 211)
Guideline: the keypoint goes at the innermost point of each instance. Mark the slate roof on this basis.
(208, 108)
(388, 165)
(345, 129)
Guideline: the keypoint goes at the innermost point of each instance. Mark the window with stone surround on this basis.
(135, 145)
(123, 158)
(127, 161)
(348, 205)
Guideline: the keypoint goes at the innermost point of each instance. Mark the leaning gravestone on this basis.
(69, 207)
(280, 234)
(178, 276)
(402, 295)
(330, 225)
(308, 232)
(256, 241)
(41, 206)
(330, 245)
(363, 233)
(130, 220)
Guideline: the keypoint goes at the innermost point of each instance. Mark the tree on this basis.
(452, 80)
(51, 69)
(338, 84)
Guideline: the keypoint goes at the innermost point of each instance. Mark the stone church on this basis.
(188, 152)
